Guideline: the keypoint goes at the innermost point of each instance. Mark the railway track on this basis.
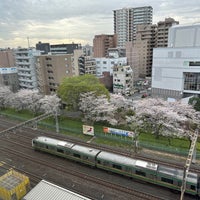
(27, 139)
(25, 134)
(85, 177)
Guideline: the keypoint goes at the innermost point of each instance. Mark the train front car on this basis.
(127, 166)
(172, 178)
(52, 146)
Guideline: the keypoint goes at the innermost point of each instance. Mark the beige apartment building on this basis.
(101, 44)
(7, 58)
(162, 31)
(8, 71)
(51, 70)
(139, 52)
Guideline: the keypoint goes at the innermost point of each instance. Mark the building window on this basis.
(104, 62)
(195, 63)
(192, 81)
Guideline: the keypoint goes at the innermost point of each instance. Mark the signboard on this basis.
(118, 132)
(88, 130)
(8, 70)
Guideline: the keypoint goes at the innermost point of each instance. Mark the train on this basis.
(138, 169)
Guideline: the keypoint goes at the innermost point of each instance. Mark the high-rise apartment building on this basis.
(126, 20)
(25, 63)
(162, 31)
(140, 51)
(101, 44)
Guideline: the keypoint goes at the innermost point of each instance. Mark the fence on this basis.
(125, 141)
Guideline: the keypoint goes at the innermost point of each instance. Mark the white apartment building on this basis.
(25, 64)
(122, 79)
(176, 69)
(107, 64)
(126, 20)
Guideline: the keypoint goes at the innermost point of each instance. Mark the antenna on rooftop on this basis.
(28, 42)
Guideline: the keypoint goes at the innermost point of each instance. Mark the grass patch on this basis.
(73, 127)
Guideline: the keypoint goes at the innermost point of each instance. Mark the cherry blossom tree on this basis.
(96, 108)
(172, 119)
(100, 108)
(5, 94)
(25, 99)
(50, 104)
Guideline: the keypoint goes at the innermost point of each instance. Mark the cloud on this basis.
(78, 21)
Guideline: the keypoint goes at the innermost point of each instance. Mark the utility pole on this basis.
(57, 124)
(188, 162)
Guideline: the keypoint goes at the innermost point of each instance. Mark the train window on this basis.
(85, 157)
(140, 173)
(106, 163)
(128, 169)
(60, 150)
(67, 152)
(46, 147)
(192, 187)
(76, 155)
(117, 166)
(167, 180)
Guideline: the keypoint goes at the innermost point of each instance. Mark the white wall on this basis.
(169, 65)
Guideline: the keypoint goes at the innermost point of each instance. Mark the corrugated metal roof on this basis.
(45, 190)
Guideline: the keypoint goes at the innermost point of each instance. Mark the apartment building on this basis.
(87, 65)
(7, 58)
(9, 77)
(43, 47)
(101, 44)
(107, 64)
(122, 79)
(25, 64)
(126, 20)
(51, 69)
(139, 52)
(8, 71)
(64, 48)
(176, 68)
(162, 31)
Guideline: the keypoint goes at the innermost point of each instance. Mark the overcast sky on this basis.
(66, 21)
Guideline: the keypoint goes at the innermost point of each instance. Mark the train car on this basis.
(142, 170)
(53, 146)
(172, 178)
(85, 155)
(65, 149)
(139, 169)
(149, 172)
